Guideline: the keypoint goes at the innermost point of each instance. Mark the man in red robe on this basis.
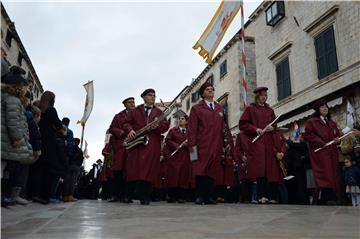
(178, 165)
(143, 164)
(206, 141)
(319, 130)
(253, 122)
(119, 185)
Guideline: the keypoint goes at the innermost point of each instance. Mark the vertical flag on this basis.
(89, 102)
(349, 115)
(86, 153)
(296, 131)
(215, 31)
(243, 58)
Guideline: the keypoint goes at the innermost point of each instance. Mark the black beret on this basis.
(147, 91)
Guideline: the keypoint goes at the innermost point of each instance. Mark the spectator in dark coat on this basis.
(50, 125)
(75, 163)
(296, 158)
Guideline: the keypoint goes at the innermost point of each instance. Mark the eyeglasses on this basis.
(152, 95)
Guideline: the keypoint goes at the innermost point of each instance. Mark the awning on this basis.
(307, 113)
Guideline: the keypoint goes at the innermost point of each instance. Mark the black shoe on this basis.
(144, 202)
(331, 203)
(210, 201)
(181, 201)
(199, 201)
(114, 199)
(126, 200)
(170, 200)
(40, 200)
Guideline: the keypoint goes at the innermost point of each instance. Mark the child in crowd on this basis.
(352, 181)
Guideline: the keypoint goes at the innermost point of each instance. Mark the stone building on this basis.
(14, 52)
(225, 73)
(306, 51)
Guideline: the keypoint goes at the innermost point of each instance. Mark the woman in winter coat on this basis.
(16, 150)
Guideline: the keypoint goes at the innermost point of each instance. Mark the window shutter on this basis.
(283, 79)
(326, 58)
(330, 50)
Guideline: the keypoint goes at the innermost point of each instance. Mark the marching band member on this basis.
(178, 164)
(253, 122)
(319, 130)
(206, 138)
(119, 185)
(143, 162)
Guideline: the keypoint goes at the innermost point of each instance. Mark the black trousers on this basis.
(205, 187)
(267, 190)
(144, 189)
(326, 195)
(118, 187)
(261, 187)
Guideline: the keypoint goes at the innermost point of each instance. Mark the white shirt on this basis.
(149, 109)
(181, 129)
(208, 104)
(323, 119)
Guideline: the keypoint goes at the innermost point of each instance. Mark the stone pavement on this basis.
(98, 219)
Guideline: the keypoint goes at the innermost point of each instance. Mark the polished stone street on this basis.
(98, 219)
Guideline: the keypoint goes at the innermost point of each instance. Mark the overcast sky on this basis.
(124, 47)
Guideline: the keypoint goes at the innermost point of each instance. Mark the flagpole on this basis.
(243, 57)
(82, 135)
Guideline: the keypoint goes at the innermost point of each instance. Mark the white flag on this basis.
(89, 87)
(86, 153)
(349, 115)
(214, 32)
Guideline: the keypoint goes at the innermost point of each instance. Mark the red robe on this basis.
(262, 151)
(206, 130)
(324, 163)
(107, 152)
(280, 146)
(144, 161)
(178, 166)
(118, 135)
(242, 149)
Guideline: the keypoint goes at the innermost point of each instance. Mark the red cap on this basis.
(260, 88)
(129, 98)
(147, 91)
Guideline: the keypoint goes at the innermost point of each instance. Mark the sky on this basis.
(124, 47)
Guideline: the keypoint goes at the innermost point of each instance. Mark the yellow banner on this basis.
(215, 31)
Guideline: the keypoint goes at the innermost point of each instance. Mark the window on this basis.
(283, 79)
(8, 38)
(210, 79)
(223, 69)
(187, 104)
(20, 57)
(275, 13)
(195, 96)
(326, 59)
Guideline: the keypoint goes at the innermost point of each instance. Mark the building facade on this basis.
(306, 51)
(224, 73)
(14, 52)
